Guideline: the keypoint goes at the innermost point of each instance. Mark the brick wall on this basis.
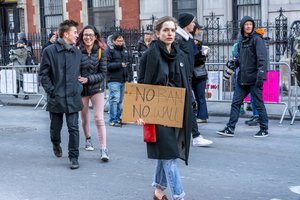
(74, 8)
(130, 13)
(30, 15)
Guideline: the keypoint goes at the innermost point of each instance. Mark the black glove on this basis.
(230, 64)
(259, 82)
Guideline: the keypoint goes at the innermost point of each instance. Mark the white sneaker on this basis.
(104, 155)
(89, 145)
(201, 142)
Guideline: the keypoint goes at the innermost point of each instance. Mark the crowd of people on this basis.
(76, 68)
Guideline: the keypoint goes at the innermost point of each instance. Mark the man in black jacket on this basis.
(186, 43)
(59, 72)
(119, 72)
(252, 62)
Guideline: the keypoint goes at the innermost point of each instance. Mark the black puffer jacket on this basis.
(252, 59)
(94, 69)
(115, 71)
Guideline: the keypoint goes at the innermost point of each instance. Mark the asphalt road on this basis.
(239, 168)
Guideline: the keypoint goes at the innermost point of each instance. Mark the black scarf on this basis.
(65, 46)
(159, 48)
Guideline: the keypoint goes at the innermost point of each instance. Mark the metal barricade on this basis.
(21, 80)
(218, 90)
(297, 106)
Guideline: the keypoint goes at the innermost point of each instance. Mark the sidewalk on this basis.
(214, 108)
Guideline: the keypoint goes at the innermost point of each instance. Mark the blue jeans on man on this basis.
(238, 98)
(116, 94)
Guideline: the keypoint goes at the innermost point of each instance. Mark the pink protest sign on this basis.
(270, 88)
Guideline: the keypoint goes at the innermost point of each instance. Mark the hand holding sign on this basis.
(153, 104)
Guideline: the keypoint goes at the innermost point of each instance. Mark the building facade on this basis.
(44, 15)
(219, 17)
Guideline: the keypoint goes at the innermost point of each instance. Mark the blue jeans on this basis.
(239, 95)
(199, 90)
(167, 171)
(254, 110)
(116, 94)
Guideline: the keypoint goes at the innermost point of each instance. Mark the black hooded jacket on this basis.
(252, 59)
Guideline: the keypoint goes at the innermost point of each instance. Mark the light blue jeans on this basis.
(116, 94)
(167, 171)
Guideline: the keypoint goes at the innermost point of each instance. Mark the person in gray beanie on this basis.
(185, 40)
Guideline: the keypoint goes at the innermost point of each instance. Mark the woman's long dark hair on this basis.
(98, 40)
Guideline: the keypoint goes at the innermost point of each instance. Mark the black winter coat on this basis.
(59, 71)
(252, 57)
(171, 143)
(115, 71)
(187, 46)
(141, 47)
(94, 69)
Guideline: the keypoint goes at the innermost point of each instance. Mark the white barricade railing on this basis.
(218, 90)
(20, 80)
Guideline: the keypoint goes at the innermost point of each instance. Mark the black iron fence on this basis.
(219, 38)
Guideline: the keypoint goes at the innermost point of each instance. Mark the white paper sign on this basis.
(8, 81)
(214, 85)
(30, 83)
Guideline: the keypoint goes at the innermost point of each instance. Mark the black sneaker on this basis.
(249, 120)
(262, 133)
(254, 122)
(57, 150)
(117, 124)
(226, 132)
(74, 163)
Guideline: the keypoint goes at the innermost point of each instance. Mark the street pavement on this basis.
(238, 168)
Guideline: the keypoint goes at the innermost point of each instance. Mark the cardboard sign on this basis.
(154, 104)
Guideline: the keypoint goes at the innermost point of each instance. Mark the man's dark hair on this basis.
(65, 27)
(115, 36)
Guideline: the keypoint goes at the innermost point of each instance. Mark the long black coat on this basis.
(171, 143)
(59, 73)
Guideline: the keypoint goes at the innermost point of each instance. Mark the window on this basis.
(101, 13)
(181, 6)
(51, 14)
(103, 3)
(243, 8)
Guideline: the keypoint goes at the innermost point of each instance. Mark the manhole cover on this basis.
(19, 129)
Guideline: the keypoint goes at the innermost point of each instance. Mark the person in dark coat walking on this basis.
(59, 72)
(164, 64)
(93, 77)
(252, 62)
(185, 40)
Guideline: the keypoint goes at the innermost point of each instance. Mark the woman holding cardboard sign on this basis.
(164, 64)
